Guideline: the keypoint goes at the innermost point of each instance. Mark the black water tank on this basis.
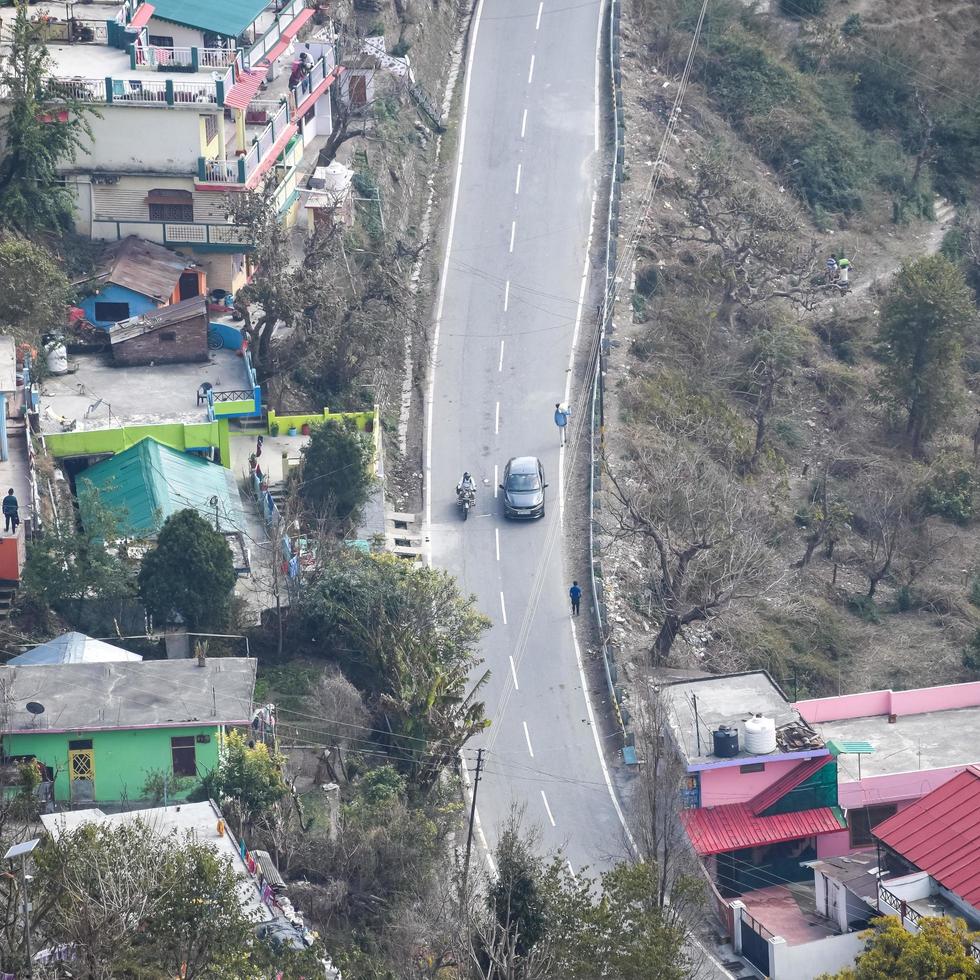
(725, 742)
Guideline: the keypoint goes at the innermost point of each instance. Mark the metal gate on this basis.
(755, 945)
(81, 774)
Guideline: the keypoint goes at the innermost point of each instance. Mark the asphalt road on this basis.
(508, 320)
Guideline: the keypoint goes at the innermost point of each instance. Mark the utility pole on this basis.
(469, 836)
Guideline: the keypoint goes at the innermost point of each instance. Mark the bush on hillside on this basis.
(885, 90)
(803, 8)
(743, 78)
(951, 491)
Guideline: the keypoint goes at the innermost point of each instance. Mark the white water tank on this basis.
(760, 735)
(57, 358)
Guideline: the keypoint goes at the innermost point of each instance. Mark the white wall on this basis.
(136, 138)
(184, 37)
(809, 960)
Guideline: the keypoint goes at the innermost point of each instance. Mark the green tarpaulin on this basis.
(143, 485)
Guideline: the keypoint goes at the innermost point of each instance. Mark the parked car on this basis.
(524, 488)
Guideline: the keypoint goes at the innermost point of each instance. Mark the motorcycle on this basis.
(466, 498)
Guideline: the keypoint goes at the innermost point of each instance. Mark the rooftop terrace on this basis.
(730, 700)
(99, 395)
(934, 740)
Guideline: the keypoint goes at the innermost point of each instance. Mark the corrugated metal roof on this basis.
(72, 648)
(786, 784)
(227, 17)
(164, 316)
(940, 834)
(143, 485)
(734, 826)
(842, 746)
(144, 267)
(142, 16)
(245, 89)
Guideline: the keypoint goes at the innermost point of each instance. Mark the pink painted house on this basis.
(915, 740)
(783, 799)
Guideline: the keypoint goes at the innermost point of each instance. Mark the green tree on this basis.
(248, 779)
(924, 320)
(190, 573)
(136, 903)
(627, 929)
(46, 125)
(540, 921)
(27, 311)
(70, 566)
(336, 481)
(940, 950)
(407, 638)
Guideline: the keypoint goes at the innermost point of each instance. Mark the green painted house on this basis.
(100, 730)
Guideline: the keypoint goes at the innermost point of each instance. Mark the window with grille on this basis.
(210, 128)
(182, 752)
(168, 336)
(111, 312)
(171, 212)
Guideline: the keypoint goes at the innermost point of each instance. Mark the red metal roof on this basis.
(245, 89)
(940, 834)
(786, 784)
(714, 830)
(142, 16)
(286, 38)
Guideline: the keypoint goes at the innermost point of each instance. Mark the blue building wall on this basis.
(111, 293)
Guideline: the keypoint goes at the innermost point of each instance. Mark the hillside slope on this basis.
(766, 505)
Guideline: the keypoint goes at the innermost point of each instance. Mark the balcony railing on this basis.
(264, 44)
(187, 234)
(158, 58)
(76, 30)
(138, 91)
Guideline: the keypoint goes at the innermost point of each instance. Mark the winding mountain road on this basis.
(509, 316)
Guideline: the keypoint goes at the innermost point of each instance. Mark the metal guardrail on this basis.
(233, 396)
(597, 426)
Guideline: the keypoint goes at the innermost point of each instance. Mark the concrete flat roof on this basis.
(151, 694)
(196, 821)
(99, 60)
(727, 699)
(931, 740)
(100, 395)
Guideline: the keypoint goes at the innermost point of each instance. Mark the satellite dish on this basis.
(35, 708)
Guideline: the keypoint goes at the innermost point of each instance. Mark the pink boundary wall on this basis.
(914, 702)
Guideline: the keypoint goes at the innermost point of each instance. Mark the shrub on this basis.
(950, 492)
(974, 595)
(971, 655)
(803, 8)
(852, 27)
(864, 608)
(883, 96)
(744, 79)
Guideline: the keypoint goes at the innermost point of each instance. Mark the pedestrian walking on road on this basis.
(10, 509)
(562, 415)
(575, 594)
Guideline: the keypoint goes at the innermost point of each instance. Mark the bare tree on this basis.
(828, 517)
(774, 354)
(344, 718)
(883, 518)
(750, 235)
(656, 806)
(706, 542)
